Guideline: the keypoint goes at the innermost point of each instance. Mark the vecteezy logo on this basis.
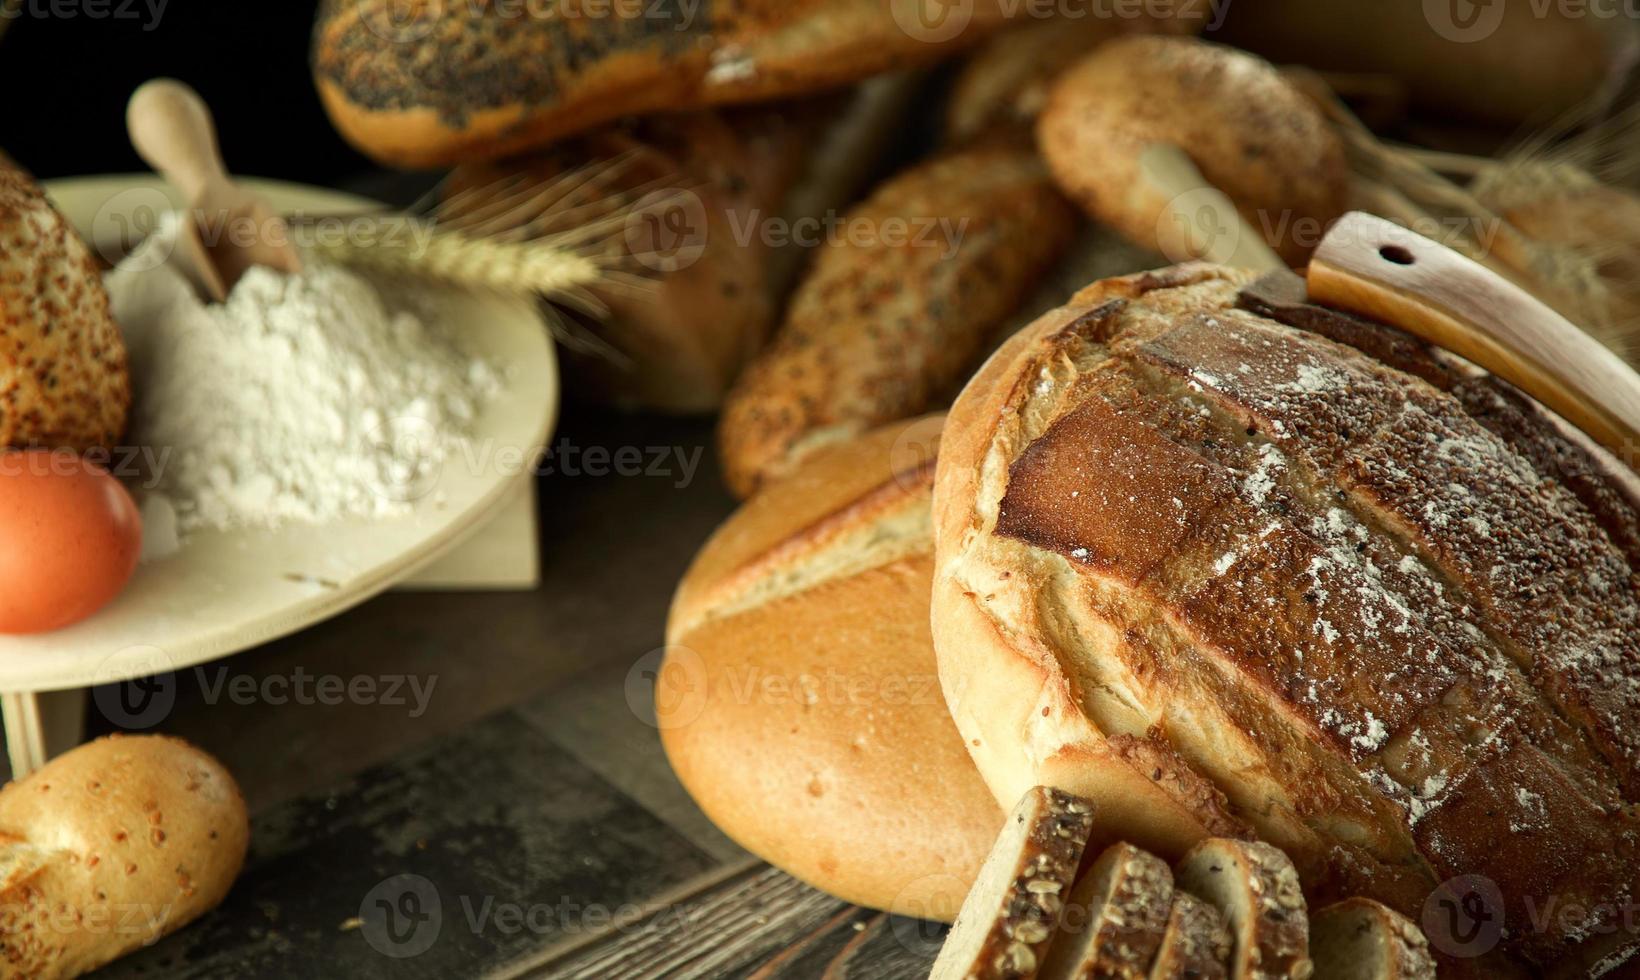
(1464, 21)
(667, 230)
(667, 687)
(914, 450)
(1464, 917)
(136, 687)
(918, 906)
(401, 21)
(933, 21)
(1195, 225)
(402, 916)
(415, 451)
(126, 220)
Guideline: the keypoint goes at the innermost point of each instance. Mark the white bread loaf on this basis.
(1011, 915)
(1255, 888)
(818, 738)
(1373, 597)
(108, 848)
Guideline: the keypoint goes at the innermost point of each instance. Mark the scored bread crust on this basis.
(1196, 944)
(819, 736)
(1398, 643)
(1255, 888)
(1009, 919)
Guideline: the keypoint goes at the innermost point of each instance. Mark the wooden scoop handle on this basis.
(171, 128)
(1378, 269)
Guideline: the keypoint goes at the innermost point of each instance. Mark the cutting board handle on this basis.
(1378, 269)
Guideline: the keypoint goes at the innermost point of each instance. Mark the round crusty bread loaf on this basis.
(110, 847)
(819, 739)
(1250, 133)
(1378, 601)
(63, 380)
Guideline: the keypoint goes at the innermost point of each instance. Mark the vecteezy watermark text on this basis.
(147, 11)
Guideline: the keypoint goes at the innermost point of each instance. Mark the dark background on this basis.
(66, 72)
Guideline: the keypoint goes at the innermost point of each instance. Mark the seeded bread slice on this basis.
(1114, 921)
(1010, 915)
(1255, 887)
(1196, 945)
(1359, 939)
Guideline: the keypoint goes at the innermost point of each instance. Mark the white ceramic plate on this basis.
(225, 592)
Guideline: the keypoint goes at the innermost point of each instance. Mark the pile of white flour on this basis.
(301, 398)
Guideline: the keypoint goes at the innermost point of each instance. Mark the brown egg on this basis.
(70, 535)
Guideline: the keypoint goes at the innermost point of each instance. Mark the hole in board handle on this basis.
(1396, 254)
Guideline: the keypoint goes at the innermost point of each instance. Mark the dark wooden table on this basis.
(518, 818)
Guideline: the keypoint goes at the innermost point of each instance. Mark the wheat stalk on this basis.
(464, 260)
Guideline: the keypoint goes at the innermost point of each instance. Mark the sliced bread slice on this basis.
(1359, 939)
(1114, 921)
(1196, 945)
(1011, 913)
(1255, 887)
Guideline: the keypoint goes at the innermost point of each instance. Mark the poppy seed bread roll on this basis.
(1389, 612)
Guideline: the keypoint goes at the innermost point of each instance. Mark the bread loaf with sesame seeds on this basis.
(63, 376)
(1010, 918)
(899, 303)
(428, 83)
(108, 848)
(1380, 601)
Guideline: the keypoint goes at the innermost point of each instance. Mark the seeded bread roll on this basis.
(1196, 944)
(63, 376)
(110, 847)
(1374, 597)
(1114, 920)
(1256, 890)
(1359, 939)
(427, 83)
(1010, 917)
(1249, 131)
(818, 738)
(898, 304)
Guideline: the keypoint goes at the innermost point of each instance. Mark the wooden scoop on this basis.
(1378, 269)
(231, 229)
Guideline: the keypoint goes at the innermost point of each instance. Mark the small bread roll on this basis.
(63, 377)
(799, 703)
(110, 847)
(1250, 133)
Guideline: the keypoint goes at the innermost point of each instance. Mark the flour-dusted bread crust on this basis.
(897, 306)
(821, 742)
(1251, 134)
(1196, 944)
(1359, 939)
(1255, 888)
(1114, 920)
(1010, 917)
(428, 83)
(110, 847)
(63, 376)
(1388, 612)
